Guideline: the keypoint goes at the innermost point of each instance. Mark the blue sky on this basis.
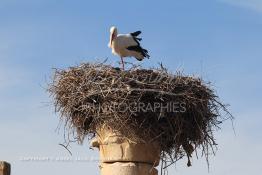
(219, 40)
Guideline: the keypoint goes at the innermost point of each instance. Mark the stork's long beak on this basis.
(111, 40)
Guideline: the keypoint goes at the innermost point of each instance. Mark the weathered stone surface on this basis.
(129, 152)
(5, 168)
(114, 147)
(127, 168)
(120, 156)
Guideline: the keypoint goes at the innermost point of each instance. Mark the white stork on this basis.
(126, 45)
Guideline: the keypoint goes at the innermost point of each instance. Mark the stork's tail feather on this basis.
(135, 34)
(138, 48)
(145, 53)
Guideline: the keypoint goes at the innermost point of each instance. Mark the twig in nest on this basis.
(65, 148)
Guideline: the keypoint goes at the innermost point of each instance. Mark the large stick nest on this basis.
(179, 112)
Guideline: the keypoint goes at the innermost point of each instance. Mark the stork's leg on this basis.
(123, 64)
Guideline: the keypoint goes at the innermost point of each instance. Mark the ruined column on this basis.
(120, 156)
(5, 168)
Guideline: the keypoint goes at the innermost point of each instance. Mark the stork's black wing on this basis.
(140, 50)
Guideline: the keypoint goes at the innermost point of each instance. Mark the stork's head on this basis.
(113, 35)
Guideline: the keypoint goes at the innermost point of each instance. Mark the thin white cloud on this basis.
(255, 5)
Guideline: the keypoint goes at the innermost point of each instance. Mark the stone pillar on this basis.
(5, 168)
(120, 156)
